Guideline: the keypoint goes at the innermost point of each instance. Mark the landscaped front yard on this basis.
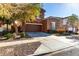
(19, 49)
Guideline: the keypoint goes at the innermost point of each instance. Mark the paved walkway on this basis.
(4, 44)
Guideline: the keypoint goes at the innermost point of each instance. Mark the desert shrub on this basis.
(8, 35)
(52, 32)
(22, 34)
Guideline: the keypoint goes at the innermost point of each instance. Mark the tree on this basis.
(5, 13)
(28, 13)
(73, 19)
(22, 12)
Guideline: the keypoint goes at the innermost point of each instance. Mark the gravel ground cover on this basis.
(19, 50)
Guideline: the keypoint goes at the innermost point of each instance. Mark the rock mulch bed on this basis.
(19, 50)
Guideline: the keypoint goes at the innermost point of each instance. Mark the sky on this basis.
(61, 9)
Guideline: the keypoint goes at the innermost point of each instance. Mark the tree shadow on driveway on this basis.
(38, 34)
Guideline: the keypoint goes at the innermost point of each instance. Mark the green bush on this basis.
(22, 34)
(8, 35)
(52, 32)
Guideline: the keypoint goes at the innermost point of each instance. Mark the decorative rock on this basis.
(19, 50)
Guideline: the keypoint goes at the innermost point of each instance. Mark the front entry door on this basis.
(53, 26)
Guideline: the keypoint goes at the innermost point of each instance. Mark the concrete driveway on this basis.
(51, 43)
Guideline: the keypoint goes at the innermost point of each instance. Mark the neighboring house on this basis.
(59, 24)
(56, 24)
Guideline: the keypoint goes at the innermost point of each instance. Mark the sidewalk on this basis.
(4, 44)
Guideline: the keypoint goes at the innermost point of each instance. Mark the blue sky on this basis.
(61, 9)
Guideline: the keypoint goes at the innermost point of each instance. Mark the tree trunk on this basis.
(23, 27)
(7, 25)
(16, 28)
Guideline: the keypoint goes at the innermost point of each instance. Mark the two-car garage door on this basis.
(33, 27)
